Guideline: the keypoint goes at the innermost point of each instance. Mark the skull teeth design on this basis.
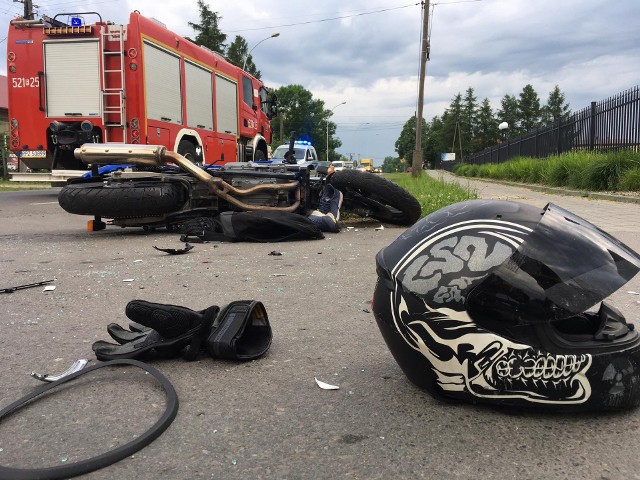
(540, 375)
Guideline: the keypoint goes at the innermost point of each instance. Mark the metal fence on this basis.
(610, 124)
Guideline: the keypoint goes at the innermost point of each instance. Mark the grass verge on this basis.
(581, 170)
(432, 194)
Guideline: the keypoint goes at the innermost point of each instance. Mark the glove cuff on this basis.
(241, 331)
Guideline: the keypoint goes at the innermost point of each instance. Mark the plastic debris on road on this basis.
(326, 386)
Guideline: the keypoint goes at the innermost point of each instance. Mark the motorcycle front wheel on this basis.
(370, 195)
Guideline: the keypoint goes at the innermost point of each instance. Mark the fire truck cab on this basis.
(76, 79)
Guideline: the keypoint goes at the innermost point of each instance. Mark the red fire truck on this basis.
(72, 82)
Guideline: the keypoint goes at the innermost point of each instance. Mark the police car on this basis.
(303, 151)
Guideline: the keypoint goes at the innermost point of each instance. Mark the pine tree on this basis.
(555, 107)
(508, 112)
(451, 126)
(529, 108)
(468, 125)
(209, 34)
(237, 54)
(487, 130)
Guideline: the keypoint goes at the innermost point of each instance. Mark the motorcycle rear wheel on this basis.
(376, 197)
(125, 200)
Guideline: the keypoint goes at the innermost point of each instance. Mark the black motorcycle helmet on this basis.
(491, 301)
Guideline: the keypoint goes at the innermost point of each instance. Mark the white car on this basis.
(341, 165)
(303, 151)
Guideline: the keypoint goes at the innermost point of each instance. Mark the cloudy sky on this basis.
(366, 53)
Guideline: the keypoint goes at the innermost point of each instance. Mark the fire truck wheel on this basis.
(369, 195)
(188, 151)
(121, 201)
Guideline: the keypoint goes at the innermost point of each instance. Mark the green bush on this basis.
(604, 171)
(525, 169)
(566, 169)
(581, 170)
(630, 180)
(473, 170)
(462, 169)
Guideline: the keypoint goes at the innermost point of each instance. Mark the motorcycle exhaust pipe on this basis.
(222, 189)
(119, 154)
(150, 155)
(157, 155)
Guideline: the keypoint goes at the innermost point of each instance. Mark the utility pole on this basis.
(28, 8)
(416, 164)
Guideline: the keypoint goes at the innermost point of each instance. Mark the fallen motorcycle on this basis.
(154, 187)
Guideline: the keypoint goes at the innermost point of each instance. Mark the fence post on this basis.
(559, 141)
(592, 127)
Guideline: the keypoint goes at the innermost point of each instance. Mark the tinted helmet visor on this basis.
(565, 266)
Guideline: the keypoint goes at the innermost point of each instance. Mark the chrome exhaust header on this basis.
(157, 155)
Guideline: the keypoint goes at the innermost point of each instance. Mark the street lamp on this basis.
(503, 126)
(330, 113)
(244, 65)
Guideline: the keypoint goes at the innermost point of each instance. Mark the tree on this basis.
(451, 124)
(468, 125)
(529, 108)
(406, 142)
(393, 164)
(237, 54)
(299, 112)
(508, 112)
(209, 34)
(555, 107)
(432, 149)
(487, 127)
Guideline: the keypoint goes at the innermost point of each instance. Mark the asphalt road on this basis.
(266, 418)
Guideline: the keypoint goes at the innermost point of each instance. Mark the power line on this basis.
(457, 1)
(325, 19)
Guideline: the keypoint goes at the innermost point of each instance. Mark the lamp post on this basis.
(503, 127)
(330, 113)
(244, 65)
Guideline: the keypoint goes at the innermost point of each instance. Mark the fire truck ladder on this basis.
(113, 64)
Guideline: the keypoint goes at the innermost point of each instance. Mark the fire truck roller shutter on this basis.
(199, 91)
(162, 83)
(226, 105)
(72, 86)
